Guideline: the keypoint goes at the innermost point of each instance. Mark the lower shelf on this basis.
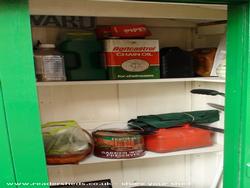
(93, 160)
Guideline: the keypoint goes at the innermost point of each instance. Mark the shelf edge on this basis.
(149, 155)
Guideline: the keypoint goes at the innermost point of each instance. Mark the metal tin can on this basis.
(132, 59)
(118, 144)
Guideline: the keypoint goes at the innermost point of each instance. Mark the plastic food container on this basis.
(118, 143)
(49, 63)
(221, 69)
(65, 142)
(178, 138)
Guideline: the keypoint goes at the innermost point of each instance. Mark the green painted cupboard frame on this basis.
(23, 160)
(19, 100)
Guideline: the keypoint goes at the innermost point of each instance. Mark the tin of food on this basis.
(118, 143)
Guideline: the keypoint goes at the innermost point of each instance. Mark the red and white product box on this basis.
(131, 31)
(132, 59)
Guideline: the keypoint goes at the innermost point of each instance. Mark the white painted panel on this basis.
(206, 41)
(45, 35)
(46, 104)
(199, 102)
(83, 173)
(150, 22)
(203, 169)
(81, 103)
(162, 172)
(161, 98)
(171, 37)
(145, 99)
(103, 103)
(217, 29)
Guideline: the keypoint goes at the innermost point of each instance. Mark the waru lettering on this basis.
(72, 22)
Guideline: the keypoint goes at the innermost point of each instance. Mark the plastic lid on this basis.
(47, 46)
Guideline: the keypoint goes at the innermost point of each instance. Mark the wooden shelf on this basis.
(93, 160)
(209, 79)
(103, 82)
(122, 8)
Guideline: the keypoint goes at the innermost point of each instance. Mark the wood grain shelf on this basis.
(93, 160)
(124, 8)
(103, 82)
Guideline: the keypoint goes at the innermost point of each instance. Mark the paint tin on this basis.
(118, 144)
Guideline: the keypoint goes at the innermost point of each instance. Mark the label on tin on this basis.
(50, 67)
(116, 145)
(135, 65)
(118, 154)
(132, 59)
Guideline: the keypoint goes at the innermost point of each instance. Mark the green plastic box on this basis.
(82, 54)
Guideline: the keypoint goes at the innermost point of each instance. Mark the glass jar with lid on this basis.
(49, 63)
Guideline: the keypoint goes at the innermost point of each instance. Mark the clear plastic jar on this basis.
(221, 69)
(49, 63)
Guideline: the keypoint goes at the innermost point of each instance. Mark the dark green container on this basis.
(82, 54)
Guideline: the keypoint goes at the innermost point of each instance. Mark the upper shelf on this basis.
(122, 8)
(104, 82)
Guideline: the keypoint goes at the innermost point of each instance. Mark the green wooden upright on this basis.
(25, 158)
(7, 173)
(237, 124)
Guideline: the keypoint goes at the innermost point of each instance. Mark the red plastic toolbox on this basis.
(178, 138)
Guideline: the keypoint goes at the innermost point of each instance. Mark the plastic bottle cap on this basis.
(47, 46)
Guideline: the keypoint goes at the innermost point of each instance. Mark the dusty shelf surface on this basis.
(122, 8)
(93, 160)
(103, 82)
